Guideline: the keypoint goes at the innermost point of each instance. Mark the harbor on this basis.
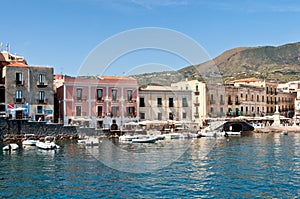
(208, 168)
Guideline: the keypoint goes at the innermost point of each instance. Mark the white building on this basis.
(165, 103)
(199, 100)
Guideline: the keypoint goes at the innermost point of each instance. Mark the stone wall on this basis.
(38, 128)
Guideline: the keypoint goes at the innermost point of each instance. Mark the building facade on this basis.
(199, 100)
(96, 101)
(165, 103)
(245, 100)
(27, 91)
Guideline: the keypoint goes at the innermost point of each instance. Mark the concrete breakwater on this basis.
(18, 128)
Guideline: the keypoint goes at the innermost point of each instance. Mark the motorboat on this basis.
(127, 138)
(211, 134)
(146, 139)
(29, 142)
(172, 135)
(90, 141)
(47, 144)
(10, 147)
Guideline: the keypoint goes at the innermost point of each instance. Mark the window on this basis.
(221, 110)
(19, 96)
(19, 78)
(129, 95)
(197, 88)
(79, 93)
(41, 79)
(130, 111)
(99, 94)
(221, 99)
(114, 111)
(211, 109)
(142, 116)
(171, 102)
(184, 102)
(39, 109)
(99, 111)
(78, 111)
(257, 98)
(171, 116)
(114, 95)
(183, 115)
(263, 98)
(159, 102)
(41, 96)
(252, 98)
(159, 116)
(142, 102)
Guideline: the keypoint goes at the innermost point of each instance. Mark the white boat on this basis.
(48, 144)
(127, 138)
(211, 134)
(10, 147)
(232, 133)
(145, 139)
(29, 142)
(90, 141)
(218, 133)
(172, 135)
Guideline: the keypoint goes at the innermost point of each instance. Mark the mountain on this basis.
(280, 63)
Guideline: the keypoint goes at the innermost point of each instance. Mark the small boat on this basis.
(172, 135)
(29, 142)
(211, 134)
(232, 133)
(90, 141)
(144, 140)
(127, 138)
(10, 147)
(48, 144)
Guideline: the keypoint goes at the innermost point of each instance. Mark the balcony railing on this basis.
(19, 100)
(42, 101)
(20, 83)
(197, 93)
(197, 104)
(41, 84)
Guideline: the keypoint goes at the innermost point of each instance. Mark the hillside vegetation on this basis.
(281, 63)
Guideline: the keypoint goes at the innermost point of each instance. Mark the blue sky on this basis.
(62, 33)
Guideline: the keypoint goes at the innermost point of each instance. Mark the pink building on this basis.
(96, 101)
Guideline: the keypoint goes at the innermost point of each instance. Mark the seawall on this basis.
(21, 127)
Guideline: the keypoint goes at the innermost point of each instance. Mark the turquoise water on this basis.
(261, 166)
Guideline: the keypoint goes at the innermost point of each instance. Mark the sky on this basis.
(64, 33)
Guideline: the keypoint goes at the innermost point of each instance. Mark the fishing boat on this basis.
(48, 144)
(10, 147)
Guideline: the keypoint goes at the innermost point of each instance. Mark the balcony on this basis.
(196, 103)
(212, 101)
(41, 84)
(229, 102)
(100, 100)
(19, 83)
(196, 114)
(19, 100)
(237, 103)
(42, 101)
(78, 99)
(222, 102)
(131, 101)
(197, 93)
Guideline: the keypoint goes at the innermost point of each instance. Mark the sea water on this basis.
(258, 165)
